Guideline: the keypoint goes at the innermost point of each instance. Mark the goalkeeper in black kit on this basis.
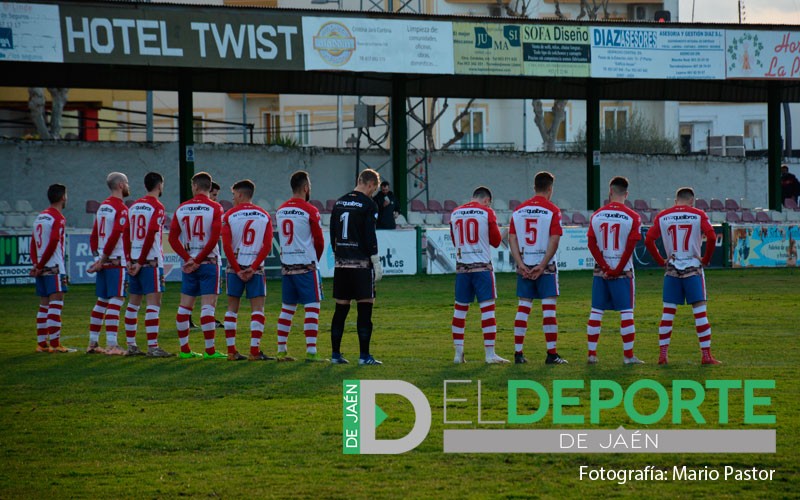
(357, 267)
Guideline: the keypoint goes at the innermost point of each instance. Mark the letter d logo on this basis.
(360, 417)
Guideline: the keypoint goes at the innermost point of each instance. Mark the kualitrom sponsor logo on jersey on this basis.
(291, 211)
(614, 215)
(197, 208)
(349, 203)
(682, 217)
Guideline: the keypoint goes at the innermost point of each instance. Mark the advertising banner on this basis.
(29, 32)
(772, 55)
(764, 245)
(378, 45)
(487, 49)
(15, 260)
(658, 53)
(397, 249)
(159, 36)
(556, 50)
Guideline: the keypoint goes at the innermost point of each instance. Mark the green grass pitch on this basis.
(99, 427)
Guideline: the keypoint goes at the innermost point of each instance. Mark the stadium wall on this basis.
(29, 166)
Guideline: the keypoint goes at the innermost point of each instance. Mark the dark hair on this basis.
(482, 192)
(385, 183)
(368, 175)
(56, 192)
(543, 181)
(203, 181)
(215, 186)
(619, 184)
(684, 193)
(245, 186)
(298, 180)
(152, 180)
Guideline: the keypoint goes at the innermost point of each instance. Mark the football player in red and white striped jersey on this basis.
(247, 240)
(681, 229)
(302, 244)
(473, 229)
(47, 255)
(146, 267)
(533, 238)
(193, 235)
(613, 232)
(110, 240)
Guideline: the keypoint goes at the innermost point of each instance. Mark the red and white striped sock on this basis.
(703, 328)
(593, 327)
(209, 326)
(311, 326)
(41, 326)
(256, 331)
(627, 330)
(521, 323)
(488, 326)
(182, 323)
(151, 325)
(96, 320)
(230, 331)
(459, 322)
(112, 321)
(285, 325)
(550, 324)
(54, 322)
(131, 322)
(665, 328)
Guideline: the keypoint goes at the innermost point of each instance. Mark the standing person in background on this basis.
(194, 235)
(302, 244)
(387, 207)
(146, 267)
(49, 271)
(613, 286)
(681, 229)
(473, 229)
(790, 186)
(110, 240)
(533, 237)
(247, 240)
(357, 267)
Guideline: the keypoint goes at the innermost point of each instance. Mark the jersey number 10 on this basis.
(467, 230)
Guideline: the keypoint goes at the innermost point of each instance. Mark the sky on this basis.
(726, 11)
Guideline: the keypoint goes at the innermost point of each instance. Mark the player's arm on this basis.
(316, 233)
(94, 240)
(227, 245)
(52, 244)
(333, 228)
(266, 246)
(175, 240)
(711, 240)
(595, 251)
(152, 232)
(630, 245)
(370, 233)
(495, 238)
(216, 229)
(653, 234)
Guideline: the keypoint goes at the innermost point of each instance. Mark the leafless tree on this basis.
(37, 104)
(435, 115)
(458, 129)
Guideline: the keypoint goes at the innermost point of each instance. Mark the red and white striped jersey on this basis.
(473, 229)
(147, 219)
(195, 229)
(613, 227)
(681, 229)
(110, 236)
(47, 243)
(532, 223)
(246, 235)
(299, 232)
